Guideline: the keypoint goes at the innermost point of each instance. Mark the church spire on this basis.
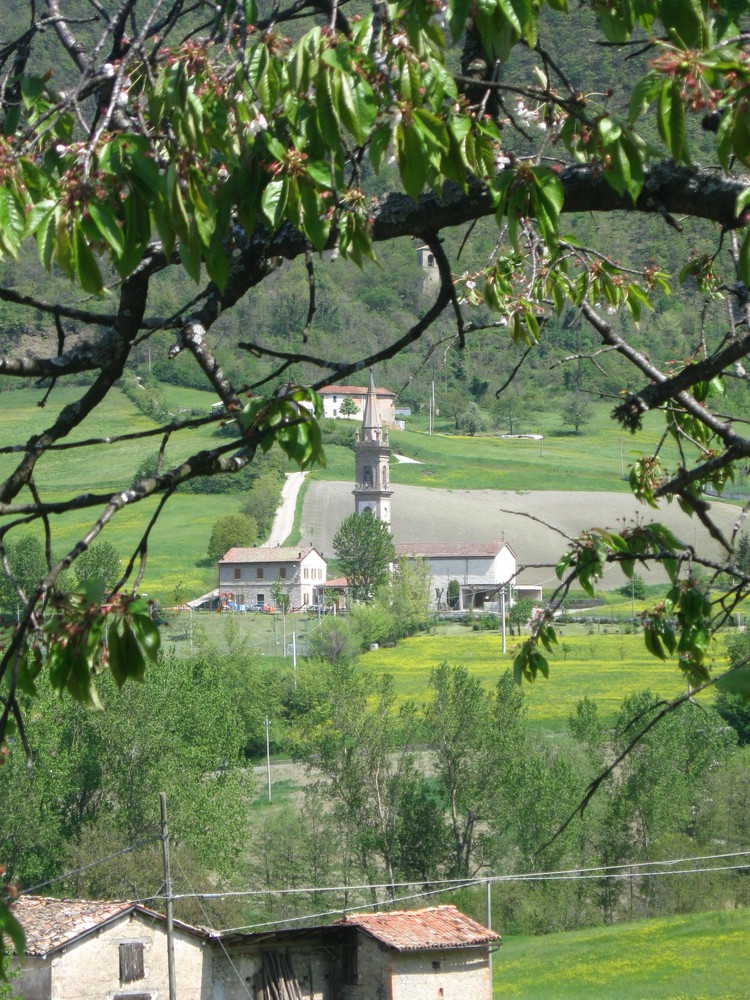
(371, 426)
(372, 488)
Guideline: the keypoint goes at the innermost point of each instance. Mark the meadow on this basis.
(604, 666)
(563, 460)
(700, 956)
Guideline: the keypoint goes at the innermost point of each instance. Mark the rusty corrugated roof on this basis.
(421, 930)
(50, 923)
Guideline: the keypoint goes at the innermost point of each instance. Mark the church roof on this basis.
(371, 417)
(455, 550)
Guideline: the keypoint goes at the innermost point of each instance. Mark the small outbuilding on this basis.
(107, 950)
(436, 953)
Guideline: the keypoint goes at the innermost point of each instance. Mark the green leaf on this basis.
(147, 634)
(86, 264)
(315, 224)
(643, 94)
(380, 140)
(677, 125)
(737, 682)
(411, 160)
(10, 926)
(744, 262)
(328, 116)
(105, 221)
(273, 202)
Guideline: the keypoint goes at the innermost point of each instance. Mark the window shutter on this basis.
(131, 961)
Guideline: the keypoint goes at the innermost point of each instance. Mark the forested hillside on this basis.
(359, 311)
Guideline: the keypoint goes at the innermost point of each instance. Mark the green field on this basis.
(604, 667)
(563, 461)
(177, 548)
(702, 956)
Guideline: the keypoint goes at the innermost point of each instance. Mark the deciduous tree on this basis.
(364, 548)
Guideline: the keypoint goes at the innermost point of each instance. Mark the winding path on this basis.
(283, 521)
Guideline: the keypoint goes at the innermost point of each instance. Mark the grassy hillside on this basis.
(562, 461)
(702, 956)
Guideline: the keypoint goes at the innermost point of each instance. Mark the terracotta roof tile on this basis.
(422, 930)
(271, 554)
(50, 923)
(352, 390)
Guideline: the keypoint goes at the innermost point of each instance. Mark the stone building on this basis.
(372, 462)
(247, 576)
(118, 951)
(436, 953)
(108, 951)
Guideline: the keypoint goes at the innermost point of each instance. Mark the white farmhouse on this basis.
(247, 576)
(334, 395)
(482, 569)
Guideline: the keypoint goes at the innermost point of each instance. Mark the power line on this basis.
(606, 870)
(91, 864)
(208, 921)
(468, 884)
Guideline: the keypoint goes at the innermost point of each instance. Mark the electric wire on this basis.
(473, 880)
(209, 923)
(469, 884)
(91, 864)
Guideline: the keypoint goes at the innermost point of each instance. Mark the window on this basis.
(260, 600)
(259, 572)
(237, 573)
(306, 598)
(131, 961)
(307, 571)
(282, 573)
(37, 983)
(335, 399)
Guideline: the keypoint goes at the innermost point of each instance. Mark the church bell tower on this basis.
(372, 462)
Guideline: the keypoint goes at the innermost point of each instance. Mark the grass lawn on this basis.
(563, 461)
(604, 666)
(701, 956)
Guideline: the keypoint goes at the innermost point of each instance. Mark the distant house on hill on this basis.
(334, 395)
(246, 576)
(118, 951)
(482, 569)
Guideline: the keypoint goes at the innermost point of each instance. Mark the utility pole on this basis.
(294, 657)
(489, 923)
(168, 894)
(502, 614)
(268, 759)
(622, 467)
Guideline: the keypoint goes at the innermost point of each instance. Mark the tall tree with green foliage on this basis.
(102, 562)
(365, 550)
(230, 531)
